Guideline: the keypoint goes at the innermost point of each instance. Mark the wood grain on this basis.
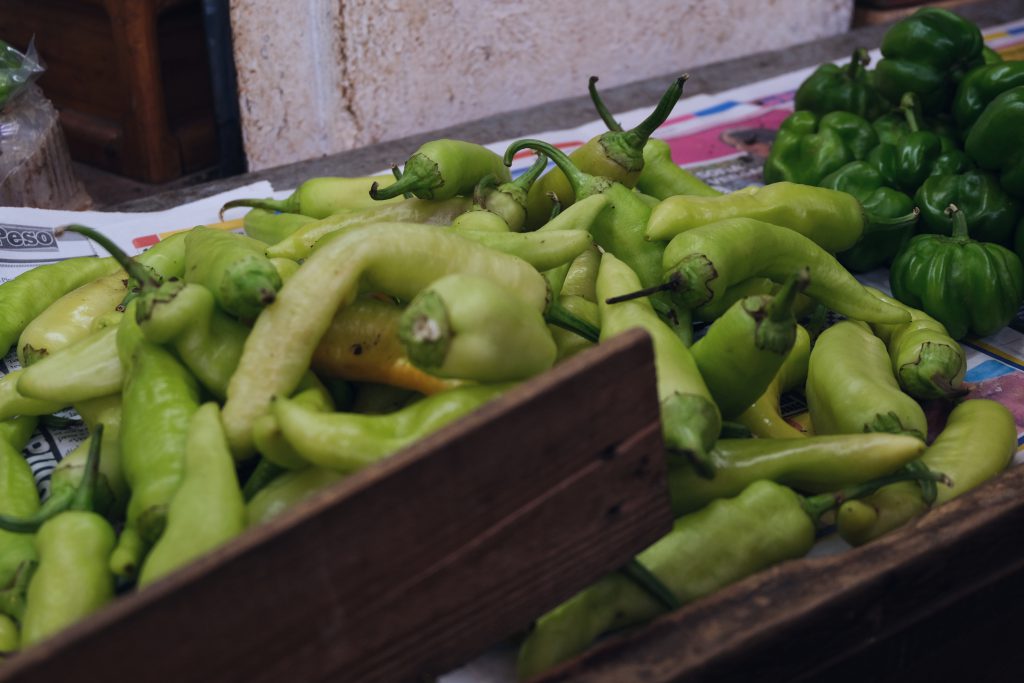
(414, 565)
(812, 619)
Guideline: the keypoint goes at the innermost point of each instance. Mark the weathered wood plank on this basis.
(415, 564)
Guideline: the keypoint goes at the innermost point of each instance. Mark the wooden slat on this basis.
(418, 563)
(802, 620)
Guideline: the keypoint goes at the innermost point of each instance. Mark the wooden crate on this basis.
(410, 567)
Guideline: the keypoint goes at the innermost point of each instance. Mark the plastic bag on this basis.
(17, 71)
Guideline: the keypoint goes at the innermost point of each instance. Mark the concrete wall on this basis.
(322, 76)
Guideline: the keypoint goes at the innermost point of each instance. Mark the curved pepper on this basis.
(842, 88)
(466, 327)
(267, 435)
(807, 148)
(978, 442)
(442, 169)
(763, 417)
(319, 197)
(395, 258)
(851, 387)
(270, 227)
(286, 491)
(968, 286)
(89, 368)
(928, 53)
(997, 137)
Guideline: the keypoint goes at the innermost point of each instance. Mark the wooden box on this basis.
(413, 566)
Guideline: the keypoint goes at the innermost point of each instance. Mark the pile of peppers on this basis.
(225, 377)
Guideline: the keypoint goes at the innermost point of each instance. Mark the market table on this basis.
(936, 598)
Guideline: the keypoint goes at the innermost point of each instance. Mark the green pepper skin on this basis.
(442, 169)
(764, 525)
(992, 214)
(928, 362)
(319, 197)
(763, 417)
(13, 403)
(851, 388)
(997, 137)
(982, 85)
(287, 490)
(928, 53)
(88, 369)
(72, 579)
(701, 264)
(880, 242)
(466, 327)
(346, 442)
(10, 635)
(807, 148)
(813, 464)
(501, 207)
(234, 268)
(970, 287)
(271, 227)
(26, 296)
(977, 443)
(691, 421)
(207, 510)
(842, 88)
(662, 178)
(266, 432)
(834, 220)
(18, 498)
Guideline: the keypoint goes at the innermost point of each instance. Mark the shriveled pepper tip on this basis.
(374, 189)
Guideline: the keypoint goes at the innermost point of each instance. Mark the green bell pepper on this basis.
(928, 53)
(969, 286)
(991, 213)
(842, 88)
(981, 86)
(808, 147)
(882, 239)
(997, 138)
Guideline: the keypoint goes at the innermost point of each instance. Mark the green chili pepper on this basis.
(233, 267)
(466, 327)
(618, 229)
(886, 227)
(72, 579)
(18, 498)
(842, 88)
(615, 155)
(928, 53)
(690, 419)
(928, 362)
(346, 442)
(968, 286)
(542, 250)
(319, 197)
(266, 432)
(743, 350)
(992, 214)
(807, 148)
(111, 489)
(10, 637)
(501, 207)
(724, 542)
(287, 490)
(701, 264)
(270, 227)
(442, 169)
(580, 216)
(763, 417)
(14, 403)
(835, 219)
(977, 443)
(207, 510)
(660, 177)
(89, 368)
(814, 464)
(996, 137)
(982, 85)
(32, 292)
(300, 243)
(851, 387)
(398, 259)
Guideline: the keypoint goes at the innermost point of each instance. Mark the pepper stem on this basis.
(134, 269)
(578, 180)
(529, 177)
(397, 172)
(602, 110)
(559, 316)
(651, 584)
(911, 107)
(670, 286)
(403, 185)
(889, 224)
(556, 205)
(816, 506)
(82, 499)
(780, 309)
(637, 137)
(282, 205)
(960, 230)
(858, 61)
